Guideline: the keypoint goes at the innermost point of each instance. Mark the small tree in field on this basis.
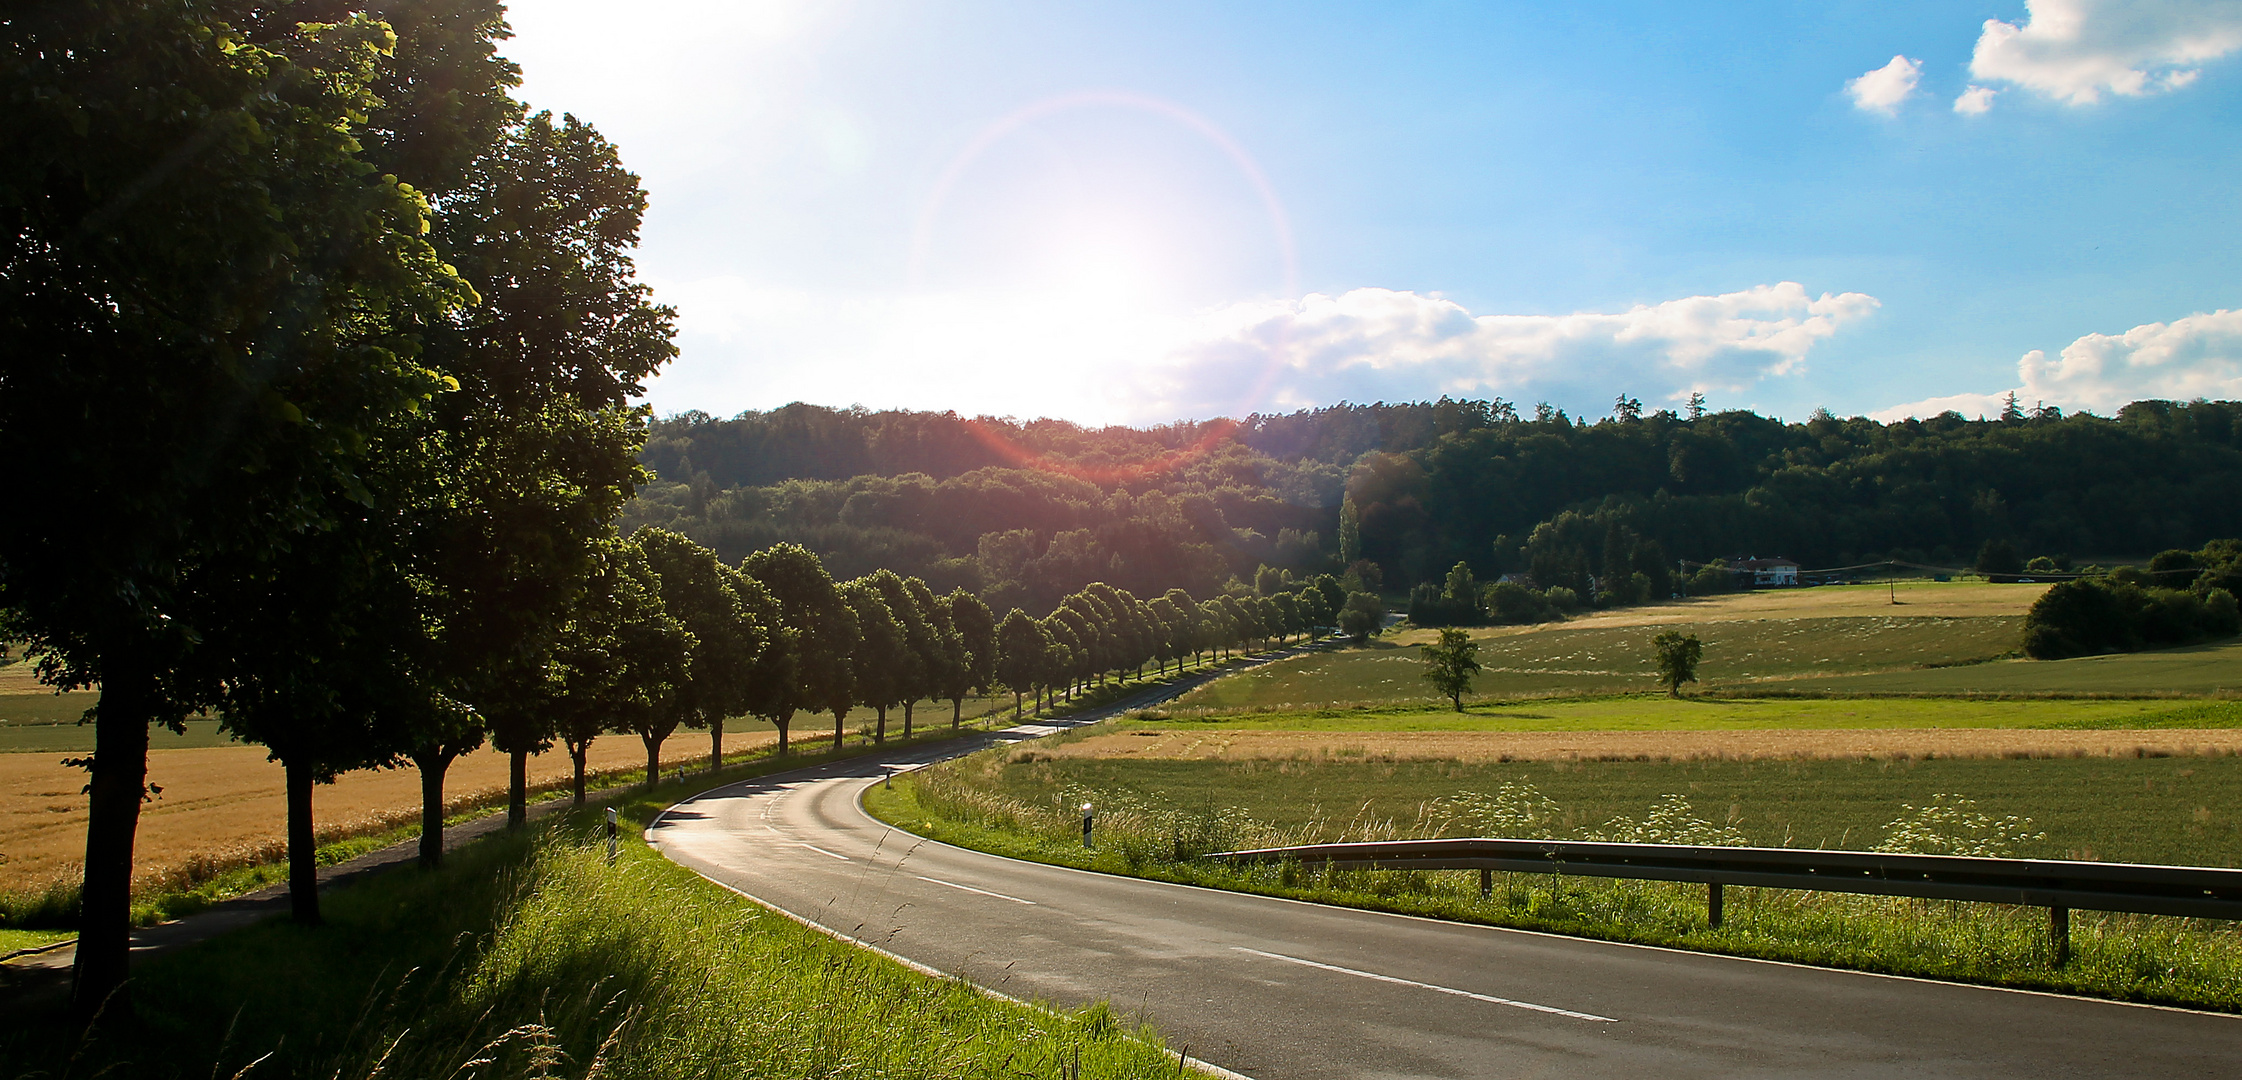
(1678, 654)
(1450, 663)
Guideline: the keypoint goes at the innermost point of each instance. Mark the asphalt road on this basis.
(1278, 989)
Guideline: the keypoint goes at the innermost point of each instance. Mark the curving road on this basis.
(1280, 989)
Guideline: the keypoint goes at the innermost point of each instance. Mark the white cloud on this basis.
(1883, 89)
(1090, 360)
(1975, 101)
(2074, 51)
(1379, 344)
(2199, 356)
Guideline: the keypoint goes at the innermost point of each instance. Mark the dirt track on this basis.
(1900, 743)
(224, 804)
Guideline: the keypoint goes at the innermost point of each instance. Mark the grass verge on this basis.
(527, 956)
(1706, 712)
(2194, 963)
(52, 910)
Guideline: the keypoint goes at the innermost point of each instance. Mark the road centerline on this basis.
(971, 889)
(1489, 998)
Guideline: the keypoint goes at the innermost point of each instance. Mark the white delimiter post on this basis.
(613, 831)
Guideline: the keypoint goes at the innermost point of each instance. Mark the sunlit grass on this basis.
(528, 956)
(1155, 818)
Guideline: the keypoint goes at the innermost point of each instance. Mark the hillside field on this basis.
(1941, 638)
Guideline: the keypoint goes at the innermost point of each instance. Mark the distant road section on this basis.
(1280, 990)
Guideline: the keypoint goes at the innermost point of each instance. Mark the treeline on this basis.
(328, 345)
(1026, 513)
(666, 635)
(2179, 598)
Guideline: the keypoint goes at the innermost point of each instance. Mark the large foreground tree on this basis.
(204, 284)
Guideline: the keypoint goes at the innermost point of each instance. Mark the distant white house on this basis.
(1775, 571)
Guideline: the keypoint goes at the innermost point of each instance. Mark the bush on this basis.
(1713, 577)
(1363, 615)
(1430, 606)
(1508, 603)
(1564, 599)
(2113, 614)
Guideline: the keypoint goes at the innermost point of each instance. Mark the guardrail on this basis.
(2058, 885)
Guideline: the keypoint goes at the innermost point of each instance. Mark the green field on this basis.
(1657, 712)
(2160, 810)
(1597, 659)
(2197, 669)
(37, 707)
(1157, 817)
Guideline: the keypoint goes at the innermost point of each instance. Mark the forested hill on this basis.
(1027, 513)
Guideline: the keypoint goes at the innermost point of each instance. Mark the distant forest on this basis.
(1026, 513)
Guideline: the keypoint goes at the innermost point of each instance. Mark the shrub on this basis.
(1564, 599)
(1509, 603)
(2092, 615)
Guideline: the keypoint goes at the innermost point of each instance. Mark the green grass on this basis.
(2161, 810)
(195, 888)
(1657, 712)
(2198, 669)
(1572, 661)
(1155, 817)
(27, 709)
(12, 940)
(528, 954)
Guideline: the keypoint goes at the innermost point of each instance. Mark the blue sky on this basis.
(1151, 211)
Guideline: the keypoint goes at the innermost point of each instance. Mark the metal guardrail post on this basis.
(1486, 883)
(2059, 933)
(1713, 904)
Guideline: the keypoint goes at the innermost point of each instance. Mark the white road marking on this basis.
(969, 888)
(822, 851)
(1428, 986)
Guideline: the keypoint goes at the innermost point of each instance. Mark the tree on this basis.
(706, 597)
(622, 658)
(812, 607)
(540, 439)
(1363, 616)
(1450, 664)
(197, 347)
(1677, 656)
(1023, 650)
(881, 650)
(918, 668)
(1998, 559)
(1350, 532)
(976, 631)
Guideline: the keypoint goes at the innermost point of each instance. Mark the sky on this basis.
(1146, 212)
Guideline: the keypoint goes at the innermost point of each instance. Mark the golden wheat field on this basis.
(223, 804)
(1885, 744)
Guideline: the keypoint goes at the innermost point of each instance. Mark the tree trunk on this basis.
(879, 733)
(957, 713)
(1016, 695)
(432, 762)
(577, 751)
(517, 790)
(118, 783)
(716, 744)
(303, 855)
(780, 722)
(653, 760)
(907, 706)
(837, 715)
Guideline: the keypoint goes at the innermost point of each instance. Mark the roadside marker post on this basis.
(1086, 826)
(614, 832)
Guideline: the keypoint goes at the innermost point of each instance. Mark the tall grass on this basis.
(2128, 957)
(533, 958)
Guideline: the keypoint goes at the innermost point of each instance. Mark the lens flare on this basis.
(1215, 432)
